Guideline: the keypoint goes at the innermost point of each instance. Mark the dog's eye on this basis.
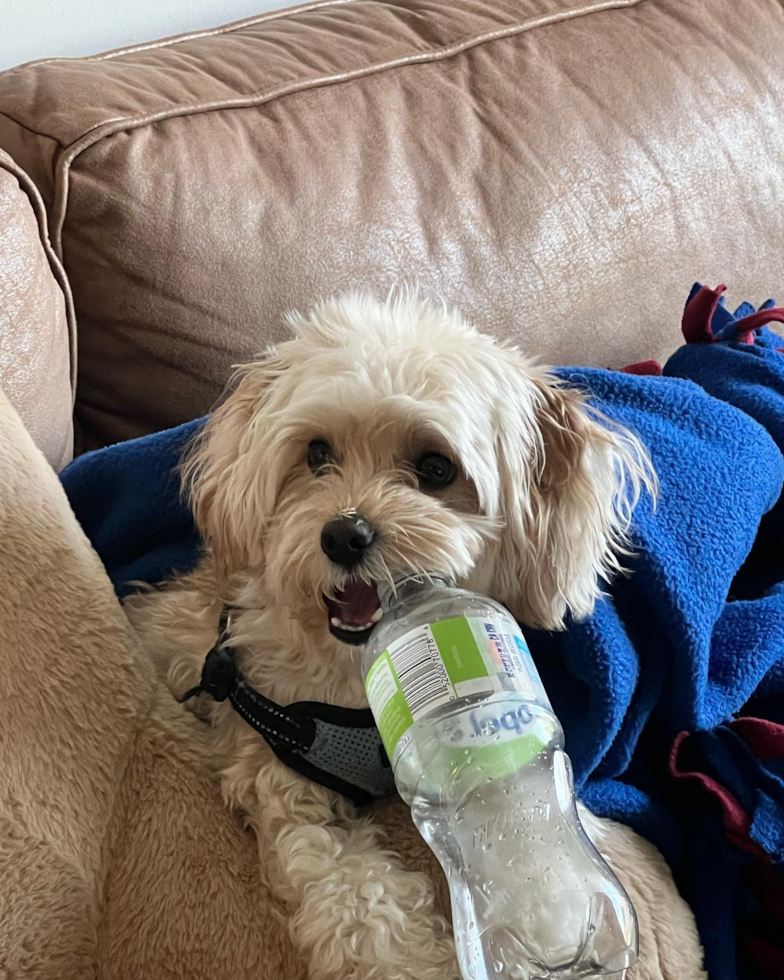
(319, 454)
(435, 471)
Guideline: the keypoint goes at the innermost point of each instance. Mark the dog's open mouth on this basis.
(354, 612)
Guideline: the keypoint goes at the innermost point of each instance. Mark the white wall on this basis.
(32, 29)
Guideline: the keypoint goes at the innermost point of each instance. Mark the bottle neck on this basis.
(409, 586)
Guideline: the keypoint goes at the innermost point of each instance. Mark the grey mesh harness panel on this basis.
(337, 747)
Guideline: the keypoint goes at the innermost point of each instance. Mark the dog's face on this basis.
(392, 436)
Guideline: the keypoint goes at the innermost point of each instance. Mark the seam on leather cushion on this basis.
(440, 53)
(166, 42)
(29, 129)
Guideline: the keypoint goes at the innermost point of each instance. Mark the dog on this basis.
(385, 436)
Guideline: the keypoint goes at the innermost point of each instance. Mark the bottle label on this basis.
(437, 663)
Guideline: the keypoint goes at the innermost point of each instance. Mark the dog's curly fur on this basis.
(539, 514)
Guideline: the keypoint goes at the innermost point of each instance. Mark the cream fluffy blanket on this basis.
(117, 856)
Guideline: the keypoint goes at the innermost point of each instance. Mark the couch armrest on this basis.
(37, 333)
(73, 686)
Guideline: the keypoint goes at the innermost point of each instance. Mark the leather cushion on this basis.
(561, 171)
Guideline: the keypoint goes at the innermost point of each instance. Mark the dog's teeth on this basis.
(376, 616)
(350, 628)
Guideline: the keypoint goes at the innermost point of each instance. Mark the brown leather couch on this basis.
(560, 169)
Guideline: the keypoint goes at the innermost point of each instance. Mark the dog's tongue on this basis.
(356, 604)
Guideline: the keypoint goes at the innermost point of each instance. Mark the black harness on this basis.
(340, 748)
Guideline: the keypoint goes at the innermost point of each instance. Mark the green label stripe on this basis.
(500, 760)
(388, 702)
(495, 761)
(459, 650)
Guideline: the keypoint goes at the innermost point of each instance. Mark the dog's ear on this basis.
(570, 480)
(225, 472)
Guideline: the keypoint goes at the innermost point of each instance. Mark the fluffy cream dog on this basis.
(383, 437)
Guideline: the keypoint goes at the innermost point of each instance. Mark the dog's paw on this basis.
(367, 923)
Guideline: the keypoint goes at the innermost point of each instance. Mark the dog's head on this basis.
(392, 436)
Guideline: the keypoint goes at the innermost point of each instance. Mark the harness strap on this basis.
(340, 748)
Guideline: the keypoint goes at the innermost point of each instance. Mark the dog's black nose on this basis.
(346, 539)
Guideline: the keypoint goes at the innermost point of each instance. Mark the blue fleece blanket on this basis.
(693, 636)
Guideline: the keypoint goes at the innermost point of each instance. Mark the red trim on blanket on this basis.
(737, 822)
(760, 319)
(648, 368)
(697, 317)
(765, 738)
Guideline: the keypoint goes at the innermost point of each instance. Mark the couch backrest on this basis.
(562, 170)
(37, 330)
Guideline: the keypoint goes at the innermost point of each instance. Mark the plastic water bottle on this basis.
(478, 755)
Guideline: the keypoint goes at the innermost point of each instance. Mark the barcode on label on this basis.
(420, 671)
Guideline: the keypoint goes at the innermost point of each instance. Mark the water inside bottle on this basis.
(531, 898)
